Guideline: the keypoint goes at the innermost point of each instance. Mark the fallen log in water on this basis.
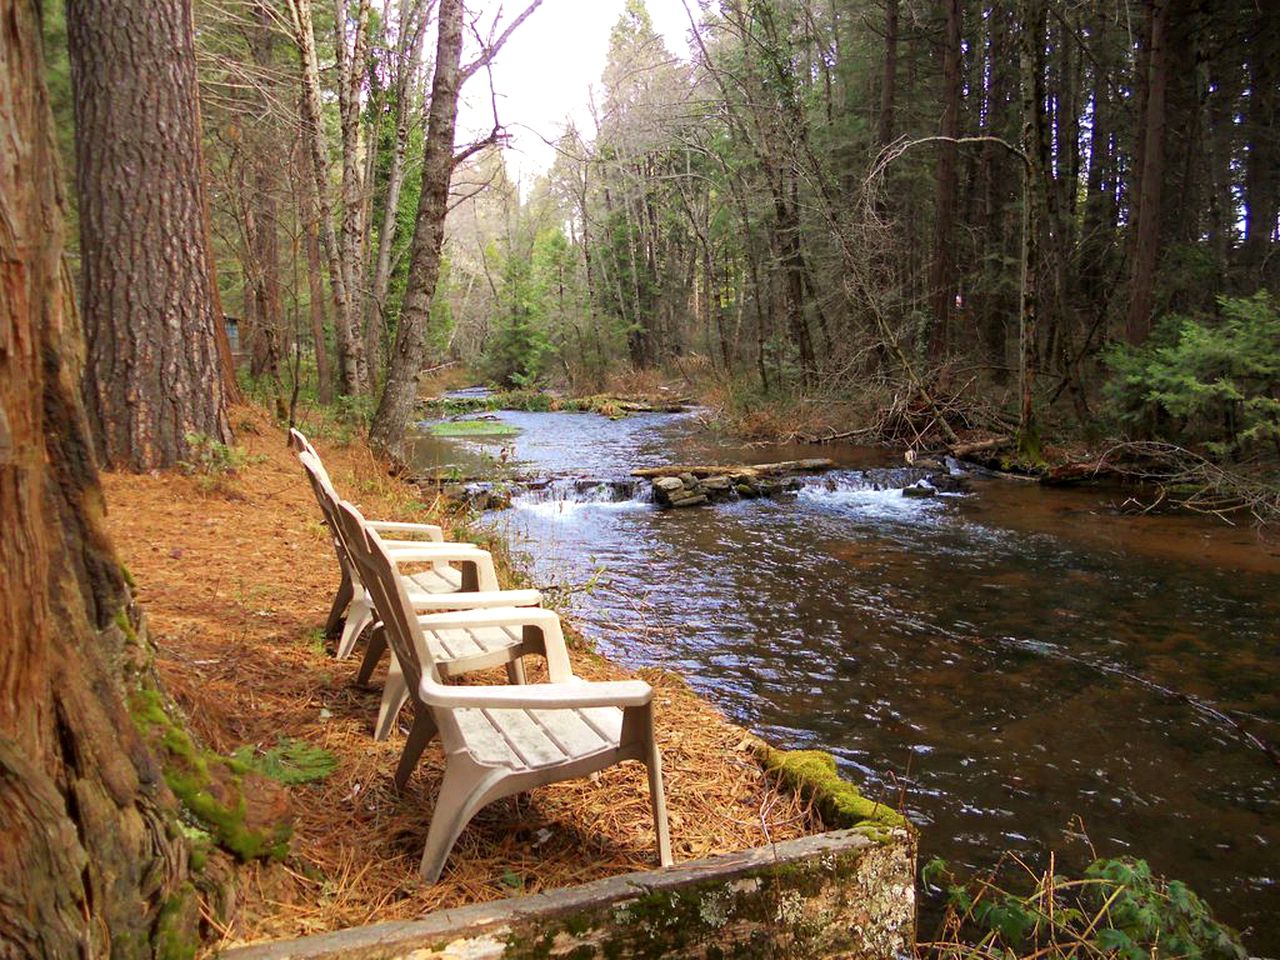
(700, 471)
(963, 450)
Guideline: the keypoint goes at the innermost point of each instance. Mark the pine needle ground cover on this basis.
(236, 579)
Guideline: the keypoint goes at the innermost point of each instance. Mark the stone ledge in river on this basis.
(687, 490)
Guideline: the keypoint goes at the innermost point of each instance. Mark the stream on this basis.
(1010, 664)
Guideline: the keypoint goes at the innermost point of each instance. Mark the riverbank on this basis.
(926, 428)
(234, 572)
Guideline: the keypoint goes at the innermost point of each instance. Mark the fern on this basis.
(289, 762)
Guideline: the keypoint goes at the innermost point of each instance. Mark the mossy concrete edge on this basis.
(841, 893)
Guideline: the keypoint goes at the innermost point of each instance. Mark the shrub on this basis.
(1118, 908)
(212, 458)
(1216, 380)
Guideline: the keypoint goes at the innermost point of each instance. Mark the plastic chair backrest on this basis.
(404, 634)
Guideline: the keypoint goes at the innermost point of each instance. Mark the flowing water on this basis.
(1009, 664)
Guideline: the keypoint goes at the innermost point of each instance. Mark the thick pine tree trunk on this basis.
(1146, 250)
(889, 79)
(396, 406)
(153, 373)
(86, 863)
(1035, 149)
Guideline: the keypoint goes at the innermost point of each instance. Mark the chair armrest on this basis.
(505, 616)
(475, 600)
(430, 530)
(395, 547)
(541, 696)
(435, 552)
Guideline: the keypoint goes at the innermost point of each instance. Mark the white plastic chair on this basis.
(477, 573)
(502, 740)
(495, 636)
(348, 594)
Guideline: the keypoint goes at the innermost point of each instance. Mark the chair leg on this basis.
(372, 654)
(341, 600)
(515, 670)
(420, 734)
(461, 795)
(658, 797)
(359, 616)
(394, 694)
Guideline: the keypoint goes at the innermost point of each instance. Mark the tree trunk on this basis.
(350, 68)
(346, 336)
(264, 237)
(888, 83)
(315, 286)
(1142, 277)
(942, 269)
(153, 375)
(1035, 195)
(407, 55)
(87, 868)
(387, 429)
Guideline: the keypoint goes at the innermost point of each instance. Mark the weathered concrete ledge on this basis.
(848, 893)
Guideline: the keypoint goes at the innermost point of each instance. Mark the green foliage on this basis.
(1118, 908)
(519, 341)
(289, 762)
(1217, 379)
(212, 458)
(354, 412)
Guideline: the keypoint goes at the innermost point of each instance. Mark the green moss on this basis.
(175, 937)
(187, 772)
(126, 626)
(146, 707)
(814, 775)
(128, 577)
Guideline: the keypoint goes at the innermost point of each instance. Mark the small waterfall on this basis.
(561, 495)
(888, 486)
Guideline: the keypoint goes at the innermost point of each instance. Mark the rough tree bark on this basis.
(87, 868)
(153, 375)
(1035, 149)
